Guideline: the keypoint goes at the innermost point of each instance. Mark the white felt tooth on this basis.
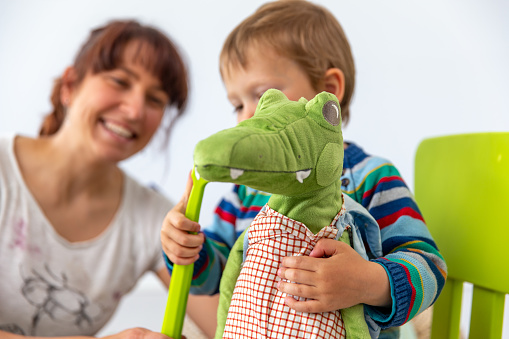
(235, 173)
(196, 174)
(301, 175)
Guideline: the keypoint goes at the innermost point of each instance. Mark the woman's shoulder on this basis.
(11, 142)
(6, 142)
(8, 161)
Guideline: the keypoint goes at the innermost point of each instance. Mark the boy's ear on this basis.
(334, 82)
(68, 85)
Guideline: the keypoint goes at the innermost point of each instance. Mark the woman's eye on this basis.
(119, 81)
(156, 101)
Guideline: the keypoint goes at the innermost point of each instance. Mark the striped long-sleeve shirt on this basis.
(416, 270)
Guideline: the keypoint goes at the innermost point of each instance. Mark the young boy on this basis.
(300, 49)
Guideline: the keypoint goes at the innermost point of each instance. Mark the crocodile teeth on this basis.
(196, 174)
(235, 173)
(301, 175)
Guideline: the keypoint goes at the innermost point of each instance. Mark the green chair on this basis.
(462, 189)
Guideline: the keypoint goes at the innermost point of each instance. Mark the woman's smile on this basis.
(118, 129)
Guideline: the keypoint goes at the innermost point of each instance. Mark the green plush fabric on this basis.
(283, 142)
(294, 150)
(227, 284)
(353, 317)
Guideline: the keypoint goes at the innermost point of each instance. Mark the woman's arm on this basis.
(164, 276)
(138, 333)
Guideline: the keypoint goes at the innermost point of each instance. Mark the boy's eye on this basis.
(238, 109)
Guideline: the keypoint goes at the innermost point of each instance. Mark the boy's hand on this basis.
(181, 247)
(340, 280)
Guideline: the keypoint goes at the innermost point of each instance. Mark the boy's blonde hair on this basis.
(301, 31)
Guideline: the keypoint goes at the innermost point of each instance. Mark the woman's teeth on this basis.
(119, 130)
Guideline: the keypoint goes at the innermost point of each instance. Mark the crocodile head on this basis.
(286, 148)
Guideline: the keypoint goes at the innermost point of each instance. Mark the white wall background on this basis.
(423, 69)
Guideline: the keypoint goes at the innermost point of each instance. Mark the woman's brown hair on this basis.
(104, 50)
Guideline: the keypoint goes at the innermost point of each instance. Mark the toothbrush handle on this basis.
(182, 275)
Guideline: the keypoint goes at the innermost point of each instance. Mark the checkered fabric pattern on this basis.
(257, 308)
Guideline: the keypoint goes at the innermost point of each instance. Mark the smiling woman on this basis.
(105, 50)
(124, 107)
(78, 231)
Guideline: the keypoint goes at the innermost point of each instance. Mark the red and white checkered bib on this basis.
(257, 308)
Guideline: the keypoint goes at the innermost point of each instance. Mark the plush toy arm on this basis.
(227, 285)
(353, 317)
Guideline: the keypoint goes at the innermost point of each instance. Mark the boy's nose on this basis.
(248, 111)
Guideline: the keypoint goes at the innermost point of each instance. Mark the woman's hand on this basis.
(138, 333)
(333, 277)
(181, 247)
(132, 333)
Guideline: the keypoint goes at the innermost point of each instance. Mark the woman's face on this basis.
(116, 112)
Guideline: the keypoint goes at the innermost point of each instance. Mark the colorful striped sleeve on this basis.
(416, 270)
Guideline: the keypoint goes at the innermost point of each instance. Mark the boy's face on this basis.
(264, 69)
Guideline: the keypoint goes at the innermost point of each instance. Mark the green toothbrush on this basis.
(182, 275)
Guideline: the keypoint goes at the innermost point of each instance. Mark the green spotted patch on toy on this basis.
(294, 150)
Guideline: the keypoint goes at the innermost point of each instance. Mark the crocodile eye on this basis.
(331, 113)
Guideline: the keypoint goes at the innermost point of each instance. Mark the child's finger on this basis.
(183, 261)
(300, 263)
(175, 221)
(308, 306)
(297, 290)
(182, 204)
(182, 223)
(181, 255)
(297, 276)
(325, 248)
(186, 239)
(189, 185)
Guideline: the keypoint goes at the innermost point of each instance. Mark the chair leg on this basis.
(487, 314)
(447, 311)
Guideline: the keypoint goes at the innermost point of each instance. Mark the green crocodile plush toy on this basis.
(294, 150)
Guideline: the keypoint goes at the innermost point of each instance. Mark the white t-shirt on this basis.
(50, 286)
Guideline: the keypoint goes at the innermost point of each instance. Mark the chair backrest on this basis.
(462, 189)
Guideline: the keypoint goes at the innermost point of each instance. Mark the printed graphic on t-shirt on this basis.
(52, 298)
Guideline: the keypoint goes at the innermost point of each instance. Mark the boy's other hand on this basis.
(333, 277)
